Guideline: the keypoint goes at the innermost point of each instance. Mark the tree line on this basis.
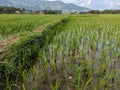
(10, 10)
(13, 10)
(101, 12)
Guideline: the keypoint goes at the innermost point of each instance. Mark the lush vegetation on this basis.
(52, 11)
(83, 57)
(22, 54)
(19, 24)
(102, 12)
(81, 52)
(13, 10)
(10, 10)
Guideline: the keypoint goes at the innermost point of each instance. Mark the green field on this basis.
(19, 24)
(75, 52)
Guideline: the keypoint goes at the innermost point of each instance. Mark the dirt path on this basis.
(14, 39)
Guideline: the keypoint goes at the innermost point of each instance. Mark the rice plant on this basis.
(82, 55)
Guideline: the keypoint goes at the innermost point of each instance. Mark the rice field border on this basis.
(22, 55)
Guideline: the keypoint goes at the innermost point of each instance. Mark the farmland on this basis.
(13, 25)
(75, 52)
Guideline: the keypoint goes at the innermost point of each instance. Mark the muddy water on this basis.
(58, 62)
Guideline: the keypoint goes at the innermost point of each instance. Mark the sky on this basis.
(95, 4)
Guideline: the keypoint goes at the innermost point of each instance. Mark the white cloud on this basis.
(86, 2)
(94, 4)
(78, 2)
(111, 4)
(118, 4)
(115, 4)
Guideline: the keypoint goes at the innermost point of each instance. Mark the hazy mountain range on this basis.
(43, 4)
(95, 4)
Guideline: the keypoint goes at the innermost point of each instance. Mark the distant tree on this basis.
(10, 10)
(74, 12)
(37, 12)
(52, 11)
(94, 12)
(111, 12)
(101, 12)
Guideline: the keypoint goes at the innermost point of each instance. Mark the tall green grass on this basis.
(23, 54)
(82, 54)
(85, 56)
(14, 24)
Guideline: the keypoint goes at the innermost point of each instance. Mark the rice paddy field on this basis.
(15, 25)
(75, 52)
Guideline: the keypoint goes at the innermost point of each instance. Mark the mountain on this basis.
(43, 5)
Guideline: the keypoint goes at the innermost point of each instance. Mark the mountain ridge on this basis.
(43, 5)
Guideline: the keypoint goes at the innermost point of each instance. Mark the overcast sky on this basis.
(95, 4)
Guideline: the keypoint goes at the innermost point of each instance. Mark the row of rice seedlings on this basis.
(31, 50)
(101, 61)
(84, 57)
(11, 25)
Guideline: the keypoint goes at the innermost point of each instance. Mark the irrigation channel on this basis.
(85, 56)
(80, 58)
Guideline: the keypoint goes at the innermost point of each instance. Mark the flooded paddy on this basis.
(84, 57)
